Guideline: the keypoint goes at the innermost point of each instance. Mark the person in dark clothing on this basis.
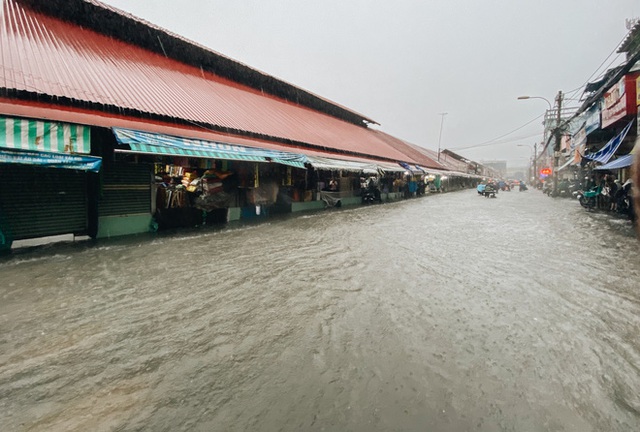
(613, 190)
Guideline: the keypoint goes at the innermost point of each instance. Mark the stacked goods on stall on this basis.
(176, 189)
(218, 190)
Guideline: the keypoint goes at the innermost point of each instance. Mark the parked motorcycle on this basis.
(574, 187)
(588, 198)
(564, 189)
(371, 196)
(624, 201)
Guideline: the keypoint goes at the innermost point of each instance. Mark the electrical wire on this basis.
(494, 140)
(601, 64)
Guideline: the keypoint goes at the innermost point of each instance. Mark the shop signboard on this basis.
(578, 144)
(615, 106)
(620, 100)
(50, 160)
(592, 118)
(580, 137)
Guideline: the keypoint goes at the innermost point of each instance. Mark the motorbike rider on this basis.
(523, 187)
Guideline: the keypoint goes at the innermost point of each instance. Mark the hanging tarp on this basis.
(621, 162)
(607, 152)
(433, 170)
(51, 160)
(40, 135)
(415, 170)
(389, 167)
(296, 161)
(168, 145)
(569, 161)
(329, 164)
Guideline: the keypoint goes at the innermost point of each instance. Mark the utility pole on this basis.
(556, 147)
(440, 137)
(535, 165)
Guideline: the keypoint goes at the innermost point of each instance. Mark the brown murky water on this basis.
(448, 313)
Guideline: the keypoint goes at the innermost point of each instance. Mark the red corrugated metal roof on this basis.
(9, 107)
(46, 56)
(450, 163)
(410, 150)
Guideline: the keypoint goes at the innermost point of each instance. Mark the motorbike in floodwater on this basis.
(523, 187)
(490, 191)
(371, 195)
(588, 198)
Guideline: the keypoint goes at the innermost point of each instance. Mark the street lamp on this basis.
(537, 97)
(556, 132)
(440, 137)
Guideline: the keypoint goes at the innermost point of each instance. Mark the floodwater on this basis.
(451, 312)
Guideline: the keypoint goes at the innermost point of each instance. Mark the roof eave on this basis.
(117, 24)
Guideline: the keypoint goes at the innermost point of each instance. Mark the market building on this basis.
(110, 126)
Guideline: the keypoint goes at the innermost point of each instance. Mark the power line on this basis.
(601, 64)
(493, 141)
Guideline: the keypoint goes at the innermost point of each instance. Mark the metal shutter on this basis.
(39, 202)
(126, 189)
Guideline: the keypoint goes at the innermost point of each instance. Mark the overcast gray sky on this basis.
(403, 62)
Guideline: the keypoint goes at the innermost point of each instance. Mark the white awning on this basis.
(329, 164)
(621, 162)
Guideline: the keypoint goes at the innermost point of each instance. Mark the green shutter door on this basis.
(126, 190)
(40, 202)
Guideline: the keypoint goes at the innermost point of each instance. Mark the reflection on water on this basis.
(451, 312)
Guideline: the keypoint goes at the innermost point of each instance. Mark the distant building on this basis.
(499, 166)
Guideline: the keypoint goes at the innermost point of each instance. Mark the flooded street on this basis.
(448, 313)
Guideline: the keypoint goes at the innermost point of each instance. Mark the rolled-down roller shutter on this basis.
(126, 190)
(40, 202)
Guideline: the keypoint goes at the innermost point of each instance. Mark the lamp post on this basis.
(548, 113)
(440, 137)
(556, 132)
(537, 97)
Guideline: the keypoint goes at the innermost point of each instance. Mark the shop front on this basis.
(46, 171)
(196, 182)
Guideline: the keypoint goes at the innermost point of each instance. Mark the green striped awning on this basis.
(160, 144)
(40, 135)
(191, 152)
(294, 163)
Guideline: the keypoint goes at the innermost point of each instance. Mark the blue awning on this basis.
(50, 159)
(606, 153)
(621, 162)
(160, 144)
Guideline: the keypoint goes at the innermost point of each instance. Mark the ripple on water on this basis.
(451, 312)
